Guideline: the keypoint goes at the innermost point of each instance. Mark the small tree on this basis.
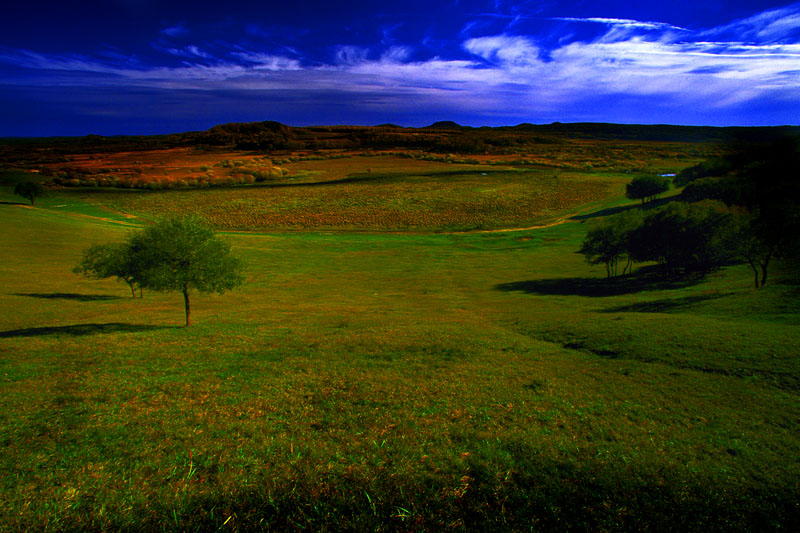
(608, 242)
(182, 254)
(748, 239)
(646, 188)
(30, 190)
(102, 261)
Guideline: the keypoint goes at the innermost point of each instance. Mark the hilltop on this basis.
(443, 137)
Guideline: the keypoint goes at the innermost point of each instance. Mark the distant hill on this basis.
(439, 137)
(659, 132)
(446, 125)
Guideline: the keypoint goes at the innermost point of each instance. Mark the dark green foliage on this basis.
(744, 238)
(712, 168)
(773, 196)
(176, 254)
(609, 241)
(30, 190)
(646, 188)
(727, 190)
(685, 238)
(103, 261)
(183, 254)
(764, 180)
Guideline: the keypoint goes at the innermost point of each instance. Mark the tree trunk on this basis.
(133, 290)
(755, 272)
(186, 305)
(764, 265)
(628, 266)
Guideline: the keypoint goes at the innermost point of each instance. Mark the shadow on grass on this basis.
(597, 287)
(13, 203)
(79, 330)
(381, 178)
(619, 209)
(68, 296)
(663, 306)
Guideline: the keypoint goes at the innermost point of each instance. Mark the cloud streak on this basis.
(492, 75)
(624, 23)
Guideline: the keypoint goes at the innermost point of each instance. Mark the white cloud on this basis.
(396, 54)
(772, 25)
(351, 55)
(188, 51)
(504, 50)
(505, 73)
(625, 23)
(259, 61)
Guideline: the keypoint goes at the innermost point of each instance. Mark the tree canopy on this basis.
(685, 237)
(609, 241)
(30, 190)
(682, 237)
(115, 260)
(182, 254)
(646, 188)
(763, 180)
(179, 254)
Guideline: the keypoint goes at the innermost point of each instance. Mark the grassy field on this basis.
(374, 194)
(390, 381)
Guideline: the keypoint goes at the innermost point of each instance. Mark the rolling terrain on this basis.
(385, 365)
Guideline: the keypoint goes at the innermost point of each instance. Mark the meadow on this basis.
(408, 376)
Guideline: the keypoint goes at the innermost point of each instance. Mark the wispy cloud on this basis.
(188, 51)
(504, 50)
(175, 31)
(351, 55)
(396, 54)
(625, 23)
(771, 26)
(260, 61)
(495, 74)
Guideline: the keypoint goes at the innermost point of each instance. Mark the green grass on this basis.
(392, 381)
(432, 199)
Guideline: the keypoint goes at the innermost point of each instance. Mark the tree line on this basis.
(740, 209)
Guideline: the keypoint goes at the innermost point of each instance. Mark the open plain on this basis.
(393, 360)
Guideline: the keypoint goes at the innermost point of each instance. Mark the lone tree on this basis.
(646, 188)
(183, 254)
(30, 190)
(103, 261)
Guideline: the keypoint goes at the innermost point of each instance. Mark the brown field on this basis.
(192, 167)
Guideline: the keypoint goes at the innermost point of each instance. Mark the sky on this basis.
(113, 67)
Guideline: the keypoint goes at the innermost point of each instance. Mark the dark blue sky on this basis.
(149, 66)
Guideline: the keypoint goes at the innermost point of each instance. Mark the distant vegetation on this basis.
(182, 160)
(742, 208)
